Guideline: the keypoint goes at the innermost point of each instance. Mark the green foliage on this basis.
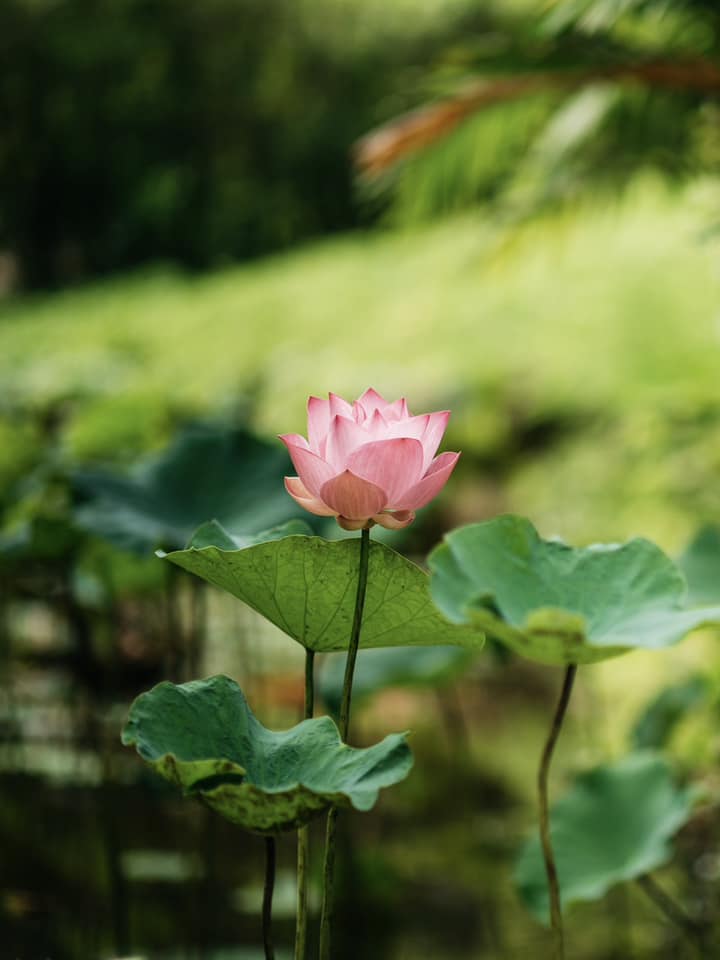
(587, 17)
(646, 483)
(213, 534)
(377, 670)
(472, 166)
(559, 604)
(20, 449)
(209, 470)
(120, 428)
(306, 587)
(203, 737)
(613, 825)
(105, 574)
(657, 722)
(700, 562)
(38, 539)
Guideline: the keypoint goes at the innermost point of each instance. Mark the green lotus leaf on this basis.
(657, 722)
(560, 604)
(210, 470)
(306, 586)
(203, 737)
(700, 563)
(49, 539)
(615, 824)
(213, 534)
(377, 670)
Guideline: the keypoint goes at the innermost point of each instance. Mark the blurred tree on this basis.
(535, 108)
(137, 130)
(197, 132)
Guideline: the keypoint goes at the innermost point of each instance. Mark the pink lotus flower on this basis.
(368, 462)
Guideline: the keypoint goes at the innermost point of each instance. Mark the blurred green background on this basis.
(208, 212)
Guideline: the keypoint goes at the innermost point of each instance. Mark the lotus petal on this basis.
(353, 497)
(301, 495)
(430, 485)
(393, 465)
(312, 469)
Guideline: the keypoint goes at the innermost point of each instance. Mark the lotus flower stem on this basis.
(355, 635)
(309, 684)
(268, 898)
(303, 847)
(674, 913)
(330, 836)
(543, 773)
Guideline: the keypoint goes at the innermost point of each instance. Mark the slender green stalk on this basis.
(303, 856)
(328, 903)
(674, 913)
(543, 773)
(303, 848)
(268, 898)
(309, 684)
(331, 834)
(355, 634)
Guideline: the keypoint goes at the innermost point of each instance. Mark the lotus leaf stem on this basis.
(331, 832)
(549, 857)
(303, 844)
(270, 857)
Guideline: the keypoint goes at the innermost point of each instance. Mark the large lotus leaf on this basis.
(701, 565)
(657, 722)
(209, 471)
(203, 737)
(377, 670)
(306, 586)
(560, 604)
(42, 539)
(213, 534)
(613, 825)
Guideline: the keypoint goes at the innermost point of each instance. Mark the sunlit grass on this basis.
(601, 307)
(613, 310)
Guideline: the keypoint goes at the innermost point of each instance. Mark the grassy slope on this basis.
(613, 311)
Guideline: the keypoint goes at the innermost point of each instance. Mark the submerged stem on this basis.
(268, 898)
(328, 902)
(543, 773)
(330, 837)
(303, 845)
(674, 913)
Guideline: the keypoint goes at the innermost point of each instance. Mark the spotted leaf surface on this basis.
(306, 586)
(203, 737)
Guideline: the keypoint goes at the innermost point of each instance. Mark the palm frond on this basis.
(589, 92)
(384, 146)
